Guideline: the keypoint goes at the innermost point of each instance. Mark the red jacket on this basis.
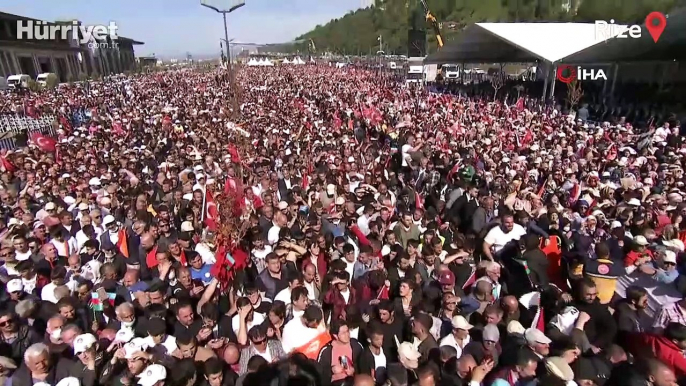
(662, 348)
(333, 297)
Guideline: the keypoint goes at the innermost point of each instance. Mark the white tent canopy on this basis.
(253, 62)
(286, 61)
(268, 62)
(521, 42)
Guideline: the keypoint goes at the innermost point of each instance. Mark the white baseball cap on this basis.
(461, 323)
(83, 342)
(187, 226)
(124, 335)
(670, 257)
(640, 240)
(69, 381)
(534, 335)
(152, 374)
(109, 219)
(134, 346)
(330, 189)
(15, 285)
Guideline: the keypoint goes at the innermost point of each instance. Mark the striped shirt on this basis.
(671, 313)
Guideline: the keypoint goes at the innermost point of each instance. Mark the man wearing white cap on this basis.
(459, 338)
(85, 348)
(537, 342)
(153, 375)
(116, 235)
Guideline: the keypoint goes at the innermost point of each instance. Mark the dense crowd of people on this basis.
(391, 236)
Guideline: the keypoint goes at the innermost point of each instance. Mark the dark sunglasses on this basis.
(669, 263)
(259, 341)
(7, 323)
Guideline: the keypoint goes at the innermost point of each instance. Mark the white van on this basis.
(18, 81)
(42, 79)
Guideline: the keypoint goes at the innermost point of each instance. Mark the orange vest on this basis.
(122, 244)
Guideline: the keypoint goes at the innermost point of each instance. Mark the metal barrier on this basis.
(12, 124)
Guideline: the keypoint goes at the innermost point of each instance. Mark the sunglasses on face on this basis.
(6, 323)
(256, 342)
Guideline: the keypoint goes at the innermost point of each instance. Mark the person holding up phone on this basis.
(339, 357)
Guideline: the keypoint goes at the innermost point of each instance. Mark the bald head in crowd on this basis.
(147, 241)
(364, 380)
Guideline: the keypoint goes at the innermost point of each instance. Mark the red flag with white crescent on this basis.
(45, 143)
(211, 213)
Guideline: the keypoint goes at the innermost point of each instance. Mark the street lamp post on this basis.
(224, 7)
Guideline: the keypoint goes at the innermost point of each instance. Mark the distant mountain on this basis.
(357, 33)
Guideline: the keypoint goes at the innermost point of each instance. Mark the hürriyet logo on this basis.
(92, 35)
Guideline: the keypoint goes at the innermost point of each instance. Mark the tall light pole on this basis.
(224, 7)
(228, 47)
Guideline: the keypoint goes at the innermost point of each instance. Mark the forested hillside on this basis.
(357, 32)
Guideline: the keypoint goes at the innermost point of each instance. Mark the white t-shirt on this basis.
(450, 340)
(498, 239)
(284, 295)
(379, 360)
(405, 154)
(257, 319)
(167, 347)
(296, 334)
(266, 355)
(273, 235)
(48, 293)
(22, 256)
(310, 290)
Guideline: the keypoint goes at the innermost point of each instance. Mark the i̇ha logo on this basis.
(92, 35)
(568, 74)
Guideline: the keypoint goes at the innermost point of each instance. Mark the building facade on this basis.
(67, 58)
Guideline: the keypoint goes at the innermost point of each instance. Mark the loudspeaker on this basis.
(416, 43)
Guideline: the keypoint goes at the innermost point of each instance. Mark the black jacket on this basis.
(26, 336)
(366, 365)
(61, 369)
(602, 328)
(325, 364)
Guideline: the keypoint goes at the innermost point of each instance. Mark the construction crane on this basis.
(434, 24)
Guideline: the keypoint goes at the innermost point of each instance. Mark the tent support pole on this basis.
(552, 85)
(615, 74)
(545, 82)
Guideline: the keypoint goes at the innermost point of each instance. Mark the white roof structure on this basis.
(521, 42)
(286, 61)
(267, 62)
(253, 62)
(297, 60)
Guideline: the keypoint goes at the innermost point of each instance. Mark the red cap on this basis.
(446, 278)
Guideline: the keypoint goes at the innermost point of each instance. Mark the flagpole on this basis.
(202, 214)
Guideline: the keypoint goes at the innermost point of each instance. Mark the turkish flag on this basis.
(45, 143)
(211, 213)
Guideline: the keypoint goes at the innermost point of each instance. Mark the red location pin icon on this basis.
(655, 24)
